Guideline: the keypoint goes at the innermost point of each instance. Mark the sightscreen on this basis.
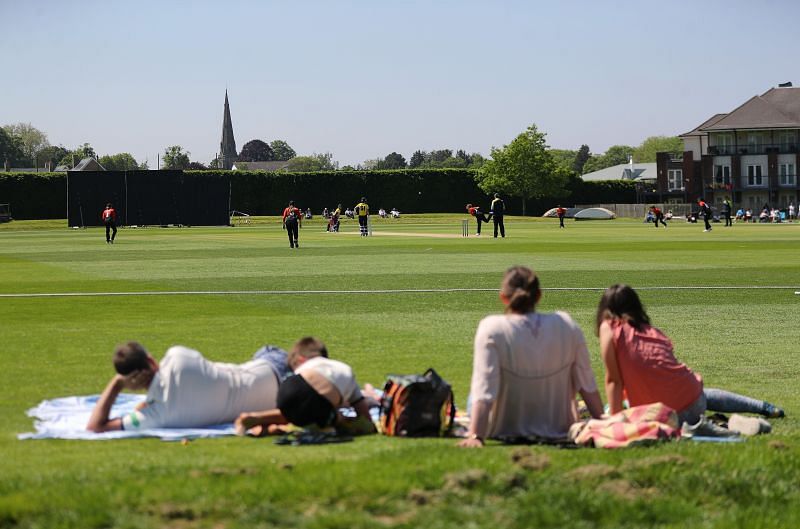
(148, 198)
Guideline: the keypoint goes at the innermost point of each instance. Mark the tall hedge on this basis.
(43, 195)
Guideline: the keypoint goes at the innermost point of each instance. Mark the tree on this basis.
(256, 151)
(72, 158)
(119, 162)
(281, 150)
(51, 155)
(524, 168)
(646, 152)
(615, 155)
(392, 161)
(175, 158)
(32, 140)
(369, 165)
(315, 162)
(564, 158)
(440, 155)
(581, 158)
(417, 159)
(10, 149)
(215, 163)
(196, 166)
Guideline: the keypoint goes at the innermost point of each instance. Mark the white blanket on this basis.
(66, 418)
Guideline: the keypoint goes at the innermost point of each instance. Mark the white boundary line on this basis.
(379, 291)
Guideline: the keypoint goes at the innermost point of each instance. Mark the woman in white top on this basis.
(527, 369)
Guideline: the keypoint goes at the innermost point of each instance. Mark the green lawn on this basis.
(746, 340)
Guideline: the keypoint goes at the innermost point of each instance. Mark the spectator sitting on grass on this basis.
(185, 390)
(527, 368)
(312, 396)
(640, 362)
(382, 213)
(740, 214)
(395, 214)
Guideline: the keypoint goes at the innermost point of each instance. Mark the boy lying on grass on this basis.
(312, 396)
(185, 390)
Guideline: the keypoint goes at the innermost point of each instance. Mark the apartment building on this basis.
(749, 154)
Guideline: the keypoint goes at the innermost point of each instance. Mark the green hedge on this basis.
(43, 195)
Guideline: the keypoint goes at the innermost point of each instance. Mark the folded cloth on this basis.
(66, 418)
(637, 425)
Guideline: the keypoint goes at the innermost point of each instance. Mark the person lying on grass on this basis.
(640, 362)
(527, 368)
(312, 396)
(185, 390)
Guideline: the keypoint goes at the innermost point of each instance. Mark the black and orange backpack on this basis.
(417, 406)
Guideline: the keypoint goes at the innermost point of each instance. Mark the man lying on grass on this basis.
(185, 390)
(312, 396)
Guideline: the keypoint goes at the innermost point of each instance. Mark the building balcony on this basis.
(764, 148)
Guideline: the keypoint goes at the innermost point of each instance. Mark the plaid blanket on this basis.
(641, 424)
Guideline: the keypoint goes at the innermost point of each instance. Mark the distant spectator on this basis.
(382, 213)
(792, 215)
(748, 215)
(668, 215)
(326, 214)
(349, 213)
(309, 215)
(726, 211)
(764, 215)
(740, 214)
(394, 213)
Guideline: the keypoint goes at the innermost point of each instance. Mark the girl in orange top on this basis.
(639, 360)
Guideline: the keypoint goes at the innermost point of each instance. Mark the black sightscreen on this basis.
(148, 198)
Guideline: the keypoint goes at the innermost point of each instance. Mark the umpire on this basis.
(498, 208)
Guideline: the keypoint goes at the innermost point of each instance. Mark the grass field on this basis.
(744, 339)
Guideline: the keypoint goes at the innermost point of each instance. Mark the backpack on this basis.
(417, 406)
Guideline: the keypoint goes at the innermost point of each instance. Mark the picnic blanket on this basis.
(66, 418)
(640, 424)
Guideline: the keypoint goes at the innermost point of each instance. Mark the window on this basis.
(675, 180)
(788, 142)
(754, 175)
(722, 176)
(724, 143)
(786, 175)
(754, 143)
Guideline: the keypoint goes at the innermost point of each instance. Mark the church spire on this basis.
(227, 146)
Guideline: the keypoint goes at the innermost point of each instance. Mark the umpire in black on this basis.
(498, 208)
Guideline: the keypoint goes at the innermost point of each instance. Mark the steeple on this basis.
(227, 147)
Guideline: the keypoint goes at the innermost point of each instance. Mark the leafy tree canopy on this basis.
(197, 166)
(175, 157)
(256, 151)
(392, 161)
(281, 150)
(615, 155)
(10, 149)
(524, 168)
(73, 158)
(315, 162)
(646, 152)
(581, 158)
(119, 162)
(564, 158)
(32, 140)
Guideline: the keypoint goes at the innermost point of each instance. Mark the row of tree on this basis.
(583, 161)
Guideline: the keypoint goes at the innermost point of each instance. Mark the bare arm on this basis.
(264, 419)
(98, 421)
(593, 403)
(478, 426)
(613, 377)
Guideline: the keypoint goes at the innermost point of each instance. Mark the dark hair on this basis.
(307, 347)
(521, 287)
(130, 357)
(621, 302)
(291, 202)
(363, 199)
(108, 205)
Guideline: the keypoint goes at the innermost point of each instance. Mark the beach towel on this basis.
(66, 418)
(640, 424)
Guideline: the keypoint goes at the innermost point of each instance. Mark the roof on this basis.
(774, 109)
(623, 172)
(88, 164)
(698, 130)
(260, 166)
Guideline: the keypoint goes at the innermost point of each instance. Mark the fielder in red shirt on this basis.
(292, 220)
(109, 217)
(658, 216)
(560, 212)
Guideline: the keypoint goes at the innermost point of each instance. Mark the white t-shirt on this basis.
(529, 367)
(339, 374)
(190, 391)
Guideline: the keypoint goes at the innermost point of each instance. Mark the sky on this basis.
(360, 79)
